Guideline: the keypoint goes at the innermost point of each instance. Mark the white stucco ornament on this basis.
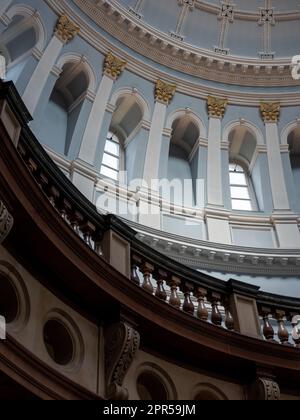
(2, 67)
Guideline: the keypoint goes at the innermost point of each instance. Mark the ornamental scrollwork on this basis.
(121, 344)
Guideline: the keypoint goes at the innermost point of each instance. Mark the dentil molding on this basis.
(139, 67)
(176, 54)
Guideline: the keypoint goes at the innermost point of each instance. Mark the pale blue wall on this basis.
(179, 168)
(285, 286)
(184, 227)
(261, 183)
(253, 238)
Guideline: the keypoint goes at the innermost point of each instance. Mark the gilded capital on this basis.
(216, 107)
(164, 92)
(113, 66)
(65, 29)
(270, 111)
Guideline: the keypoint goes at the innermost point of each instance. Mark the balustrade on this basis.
(280, 326)
(194, 294)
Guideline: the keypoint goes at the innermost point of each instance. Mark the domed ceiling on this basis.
(233, 41)
(255, 28)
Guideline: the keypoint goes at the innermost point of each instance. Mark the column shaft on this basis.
(40, 76)
(91, 135)
(151, 169)
(278, 185)
(214, 164)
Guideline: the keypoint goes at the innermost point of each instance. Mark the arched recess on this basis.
(208, 392)
(125, 129)
(63, 110)
(154, 383)
(182, 169)
(243, 180)
(293, 141)
(24, 34)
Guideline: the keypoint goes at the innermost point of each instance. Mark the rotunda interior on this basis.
(178, 122)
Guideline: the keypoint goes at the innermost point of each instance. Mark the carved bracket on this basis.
(6, 222)
(121, 344)
(265, 389)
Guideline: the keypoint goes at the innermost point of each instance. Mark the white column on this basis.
(217, 218)
(151, 167)
(40, 76)
(65, 31)
(214, 163)
(278, 185)
(285, 222)
(91, 135)
(164, 93)
(113, 68)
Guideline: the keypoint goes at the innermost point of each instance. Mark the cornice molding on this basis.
(151, 73)
(222, 258)
(174, 53)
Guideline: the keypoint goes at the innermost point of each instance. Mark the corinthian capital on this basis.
(113, 66)
(216, 107)
(6, 222)
(164, 92)
(65, 29)
(270, 111)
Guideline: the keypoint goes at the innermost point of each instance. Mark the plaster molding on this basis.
(150, 73)
(227, 258)
(221, 258)
(189, 59)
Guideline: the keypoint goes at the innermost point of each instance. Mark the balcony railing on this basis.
(198, 295)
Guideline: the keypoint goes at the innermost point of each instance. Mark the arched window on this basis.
(240, 188)
(112, 162)
(59, 121)
(182, 162)
(17, 42)
(245, 186)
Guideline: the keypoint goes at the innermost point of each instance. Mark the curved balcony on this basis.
(100, 267)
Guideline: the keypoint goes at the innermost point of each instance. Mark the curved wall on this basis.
(75, 104)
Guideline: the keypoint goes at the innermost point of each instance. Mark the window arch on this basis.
(121, 142)
(240, 188)
(113, 157)
(182, 161)
(62, 113)
(18, 41)
(242, 157)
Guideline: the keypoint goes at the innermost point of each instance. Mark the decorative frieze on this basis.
(164, 92)
(6, 222)
(65, 29)
(270, 111)
(216, 107)
(113, 66)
